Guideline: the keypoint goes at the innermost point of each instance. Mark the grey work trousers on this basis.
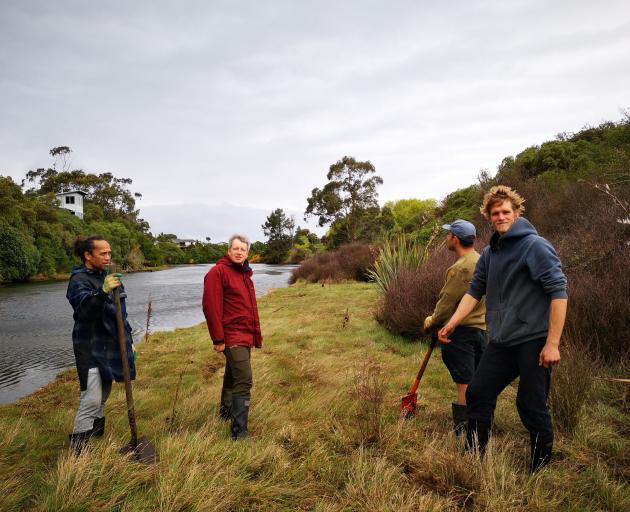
(92, 401)
(237, 379)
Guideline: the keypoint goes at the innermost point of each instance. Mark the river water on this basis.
(36, 319)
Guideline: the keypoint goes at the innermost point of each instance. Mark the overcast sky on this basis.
(249, 103)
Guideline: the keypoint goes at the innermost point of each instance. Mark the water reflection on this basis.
(36, 319)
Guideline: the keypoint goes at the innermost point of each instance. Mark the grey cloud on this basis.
(217, 221)
(250, 102)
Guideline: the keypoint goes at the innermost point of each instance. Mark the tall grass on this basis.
(315, 384)
(369, 395)
(397, 254)
(572, 383)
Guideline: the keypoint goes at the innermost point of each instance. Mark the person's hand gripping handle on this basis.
(112, 281)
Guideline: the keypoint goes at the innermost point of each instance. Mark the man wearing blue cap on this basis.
(462, 353)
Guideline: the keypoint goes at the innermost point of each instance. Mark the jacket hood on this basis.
(226, 261)
(82, 269)
(521, 227)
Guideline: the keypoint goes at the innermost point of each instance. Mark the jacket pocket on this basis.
(512, 325)
(493, 324)
(237, 321)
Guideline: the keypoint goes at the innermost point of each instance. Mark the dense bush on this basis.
(411, 295)
(410, 278)
(586, 226)
(19, 258)
(351, 261)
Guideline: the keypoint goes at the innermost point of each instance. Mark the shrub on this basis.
(572, 383)
(412, 294)
(355, 260)
(397, 254)
(581, 220)
(351, 261)
(19, 258)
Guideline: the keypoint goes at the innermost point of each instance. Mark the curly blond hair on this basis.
(499, 194)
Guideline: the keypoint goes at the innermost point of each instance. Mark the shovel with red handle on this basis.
(142, 449)
(410, 400)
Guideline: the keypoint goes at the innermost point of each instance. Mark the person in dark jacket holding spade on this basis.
(94, 336)
(521, 277)
(229, 305)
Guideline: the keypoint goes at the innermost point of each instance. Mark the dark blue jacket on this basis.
(519, 273)
(94, 337)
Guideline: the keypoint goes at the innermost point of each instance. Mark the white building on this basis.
(184, 242)
(73, 201)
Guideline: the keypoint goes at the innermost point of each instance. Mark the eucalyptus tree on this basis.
(349, 199)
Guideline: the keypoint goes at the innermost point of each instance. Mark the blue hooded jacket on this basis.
(519, 273)
(94, 337)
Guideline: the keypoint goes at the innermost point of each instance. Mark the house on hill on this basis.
(73, 201)
(184, 242)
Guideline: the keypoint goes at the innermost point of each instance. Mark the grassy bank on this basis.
(325, 430)
(65, 276)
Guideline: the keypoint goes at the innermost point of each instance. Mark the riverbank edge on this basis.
(65, 276)
(137, 341)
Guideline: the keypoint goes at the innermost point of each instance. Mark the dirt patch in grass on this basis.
(209, 369)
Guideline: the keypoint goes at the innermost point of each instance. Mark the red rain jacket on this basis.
(229, 305)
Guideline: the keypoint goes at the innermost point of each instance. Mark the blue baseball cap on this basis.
(462, 229)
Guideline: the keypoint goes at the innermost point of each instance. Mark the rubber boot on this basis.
(225, 413)
(240, 410)
(540, 451)
(79, 441)
(477, 435)
(99, 427)
(460, 418)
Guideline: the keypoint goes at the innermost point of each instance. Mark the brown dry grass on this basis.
(326, 433)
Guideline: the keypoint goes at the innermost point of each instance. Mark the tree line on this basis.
(597, 157)
(36, 235)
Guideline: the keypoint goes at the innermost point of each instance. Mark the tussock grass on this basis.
(326, 434)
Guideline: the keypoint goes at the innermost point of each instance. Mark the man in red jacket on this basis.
(229, 305)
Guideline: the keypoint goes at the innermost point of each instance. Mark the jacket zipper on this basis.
(251, 304)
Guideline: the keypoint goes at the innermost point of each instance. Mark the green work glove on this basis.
(111, 281)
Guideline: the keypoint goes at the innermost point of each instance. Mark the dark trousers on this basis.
(237, 379)
(498, 367)
(463, 354)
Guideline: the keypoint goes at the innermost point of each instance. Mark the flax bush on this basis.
(399, 254)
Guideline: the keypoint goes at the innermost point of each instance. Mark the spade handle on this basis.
(124, 358)
(425, 361)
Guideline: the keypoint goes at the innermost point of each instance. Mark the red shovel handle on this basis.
(425, 361)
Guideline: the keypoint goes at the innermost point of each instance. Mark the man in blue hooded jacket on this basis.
(94, 336)
(521, 277)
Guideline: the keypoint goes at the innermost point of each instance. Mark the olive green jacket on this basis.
(458, 279)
